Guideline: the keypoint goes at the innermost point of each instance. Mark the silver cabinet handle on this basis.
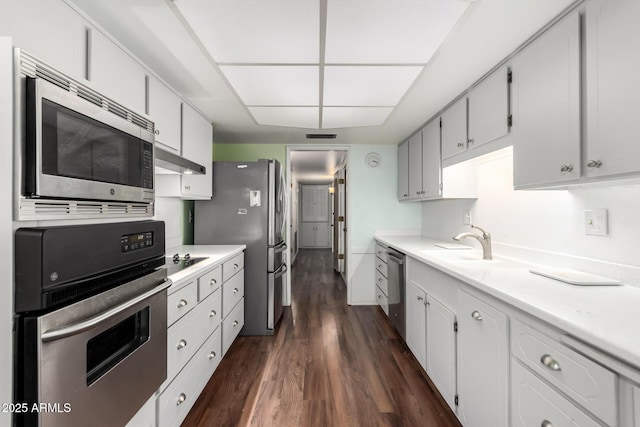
(182, 344)
(380, 266)
(182, 303)
(546, 423)
(212, 355)
(550, 362)
(212, 313)
(417, 192)
(181, 398)
(235, 266)
(379, 296)
(476, 315)
(379, 279)
(157, 132)
(213, 281)
(187, 187)
(594, 164)
(566, 168)
(420, 298)
(472, 140)
(235, 290)
(405, 195)
(235, 323)
(460, 145)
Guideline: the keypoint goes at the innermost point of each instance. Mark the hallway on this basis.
(329, 364)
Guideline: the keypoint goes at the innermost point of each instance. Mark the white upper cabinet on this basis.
(454, 129)
(613, 87)
(431, 165)
(164, 110)
(403, 171)
(488, 106)
(546, 107)
(415, 166)
(115, 74)
(197, 146)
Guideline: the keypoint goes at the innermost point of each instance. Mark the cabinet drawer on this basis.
(381, 252)
(210, 314)
(383, 302)
(232, 266)
(536, 404)
(231, 326)
(184, 337)
(211, 352)
(232, 291)
(181, 302)
(586, 382)
(381, 282)
(381, 266)
(209, 282)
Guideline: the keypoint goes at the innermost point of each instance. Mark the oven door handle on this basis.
(66, 331)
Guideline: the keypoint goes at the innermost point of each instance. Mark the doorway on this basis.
(317, 205)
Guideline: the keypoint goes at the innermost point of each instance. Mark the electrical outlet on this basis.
(466, 217)
(596, 222)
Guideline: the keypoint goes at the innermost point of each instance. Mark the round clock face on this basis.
(373, 160)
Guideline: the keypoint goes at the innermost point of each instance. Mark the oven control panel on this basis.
(133, 242)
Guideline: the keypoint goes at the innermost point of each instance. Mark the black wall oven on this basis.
(81, 145)
(91, 316)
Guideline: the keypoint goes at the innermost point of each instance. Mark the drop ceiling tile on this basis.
(367, 85)
(274, 85)
(256, 31)
(343, 117)
(295, 117)
(384, 31)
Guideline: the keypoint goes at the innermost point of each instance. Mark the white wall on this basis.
(546, 226)
(372, 206)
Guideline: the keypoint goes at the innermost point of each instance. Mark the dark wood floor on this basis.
(329, 364)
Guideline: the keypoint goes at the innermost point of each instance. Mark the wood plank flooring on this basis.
(329, 364)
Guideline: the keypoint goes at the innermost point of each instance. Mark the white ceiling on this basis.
(156, 32)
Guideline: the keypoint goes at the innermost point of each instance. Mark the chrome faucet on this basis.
(485, 241)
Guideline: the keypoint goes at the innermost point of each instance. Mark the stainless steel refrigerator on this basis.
(248, 207)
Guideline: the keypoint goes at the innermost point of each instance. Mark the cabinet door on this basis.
(115, 74)
(546, 107)
(416, 322)
(454, 129)
(431, 165)
(165, 110)
(483, 364)
(415, 166)
(403, 171)
(197, 145)
(613, 87)
(307, 234)
(441, 349)
(489, 109)
(322, 235)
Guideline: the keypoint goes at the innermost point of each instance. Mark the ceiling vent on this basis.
(321, 136)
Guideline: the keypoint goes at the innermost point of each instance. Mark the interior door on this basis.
(336, 223)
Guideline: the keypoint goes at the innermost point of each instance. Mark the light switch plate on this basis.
(596, 222)
(466, 217)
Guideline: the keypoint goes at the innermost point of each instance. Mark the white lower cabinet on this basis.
(441, 349)
(483, 363)
(198, 338)
(534, 403)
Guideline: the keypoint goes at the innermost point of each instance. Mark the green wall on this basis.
(249, 152)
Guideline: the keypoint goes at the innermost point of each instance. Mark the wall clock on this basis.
(373, 160)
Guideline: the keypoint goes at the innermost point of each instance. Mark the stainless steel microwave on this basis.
(79, 146)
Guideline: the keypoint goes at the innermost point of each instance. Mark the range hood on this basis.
(175, 163)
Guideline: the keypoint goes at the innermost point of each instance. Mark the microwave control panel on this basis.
(133, 242)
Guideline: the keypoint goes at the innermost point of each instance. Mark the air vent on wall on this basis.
(321, 136)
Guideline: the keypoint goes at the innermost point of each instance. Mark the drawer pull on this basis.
(181, 399)
(379, 296)
(235, 290)
(213, 281)
(550, 363)
(235, 323)
(182, 344)
(546, 423)
(476, 316)
(182, 303)
(212, 313)
(420, 298)
(212, 355)
(235, 266)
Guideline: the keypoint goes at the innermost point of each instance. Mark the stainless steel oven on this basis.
(93, 349)
(81, 145)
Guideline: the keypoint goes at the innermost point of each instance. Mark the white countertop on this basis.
(606, 317)
(216, 254)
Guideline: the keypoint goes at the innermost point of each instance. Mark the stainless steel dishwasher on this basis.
(396, 283)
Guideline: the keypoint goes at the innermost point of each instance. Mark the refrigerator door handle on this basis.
(283, 269)
(281, 247)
